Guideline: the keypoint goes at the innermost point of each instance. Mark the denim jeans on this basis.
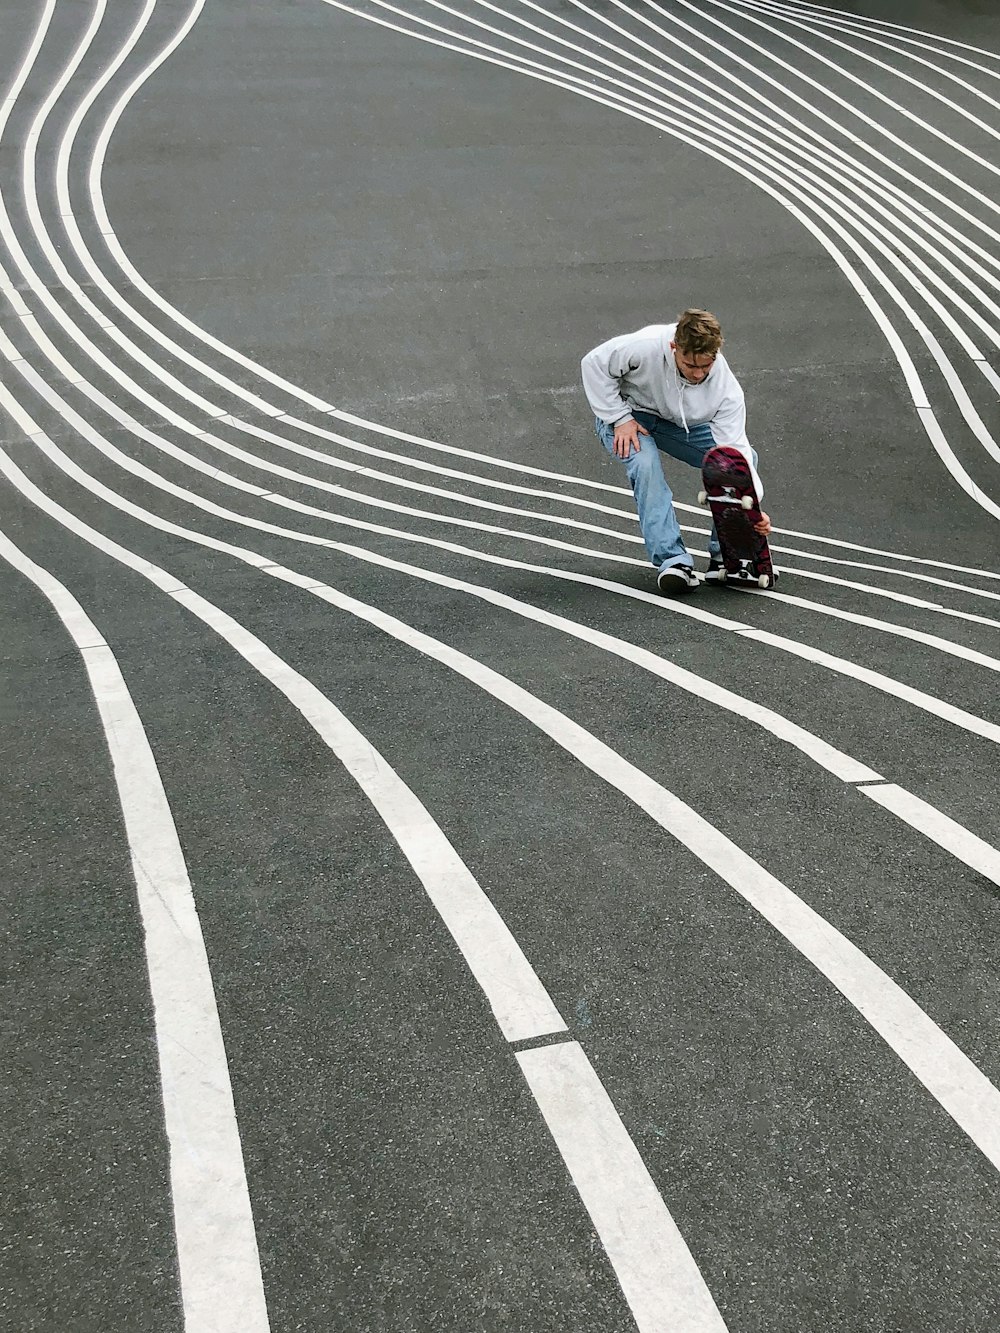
(653, 496)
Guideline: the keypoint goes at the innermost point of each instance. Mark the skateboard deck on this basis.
(729, 493)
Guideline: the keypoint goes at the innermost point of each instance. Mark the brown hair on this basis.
(698, 333)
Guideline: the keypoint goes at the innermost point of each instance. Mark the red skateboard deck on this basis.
(729, 493)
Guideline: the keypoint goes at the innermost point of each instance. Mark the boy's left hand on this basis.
(764, 526)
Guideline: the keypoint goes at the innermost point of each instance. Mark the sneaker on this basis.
(716, 568)
(677, 579)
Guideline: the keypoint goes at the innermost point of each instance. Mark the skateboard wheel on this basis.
(703, 497)
(764, 581)
(723, 575)
(746, 501)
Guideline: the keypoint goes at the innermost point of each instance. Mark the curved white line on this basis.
(820, 28)
(124, 419)
(890, 102)
(884, 24)
(816, 749)
(876, 969)
(35, 216)
(95, 273)
(851, 28)
(658, 1275)
(845, 202)
(706, 97)
(190, 460)
(262, 432)
(841, 130)
(222, 1289)
(924, 411)
(951, 1078)
(121, 258)
(928, 703)
(63, 154)
(928, 639)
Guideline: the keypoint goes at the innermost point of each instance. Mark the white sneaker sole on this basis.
(675, 585)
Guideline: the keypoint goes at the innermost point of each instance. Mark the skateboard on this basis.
(729, 493)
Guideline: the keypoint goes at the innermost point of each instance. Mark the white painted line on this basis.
(834, 761)
(940, 645)
(221, 1283)
(314, 585)
(883, 25)
(67, 280)
(802, 175)
(658, 1275)
(841, 765)
(123, 418)
(822, 28)
(869, 90)
(15, 298)
(871, 550)
(878, 569)
(877, 680)
(917, 698)
(95, 175)
(520, 1004)
(961, 1088)
(990, 374)
(853, 29)
(976, 853)
(12, 405)
(935, 1060)
(737, 163)
(929, 703)
(903, 598)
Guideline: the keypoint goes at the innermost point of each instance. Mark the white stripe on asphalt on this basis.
(823, 29)
(813, 746)
(639, 1235)
(914, 383)
(270, 436)
(221, 1284)
(883, 25)
(928, 703)
(852, 28)
(104, 222)
(960, 1087)
(517, 997)
(977, 854)
(520, 1003)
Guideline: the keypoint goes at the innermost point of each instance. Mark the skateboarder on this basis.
(667, 387)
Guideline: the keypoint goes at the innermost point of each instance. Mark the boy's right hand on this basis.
(627, 437)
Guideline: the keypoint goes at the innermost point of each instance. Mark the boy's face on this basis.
(694, 368)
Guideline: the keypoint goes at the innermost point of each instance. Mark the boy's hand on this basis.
(764, 526)
(627, 438)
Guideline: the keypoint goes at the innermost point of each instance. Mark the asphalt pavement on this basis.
(483, 942)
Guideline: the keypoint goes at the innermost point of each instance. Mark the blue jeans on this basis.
(653, 497)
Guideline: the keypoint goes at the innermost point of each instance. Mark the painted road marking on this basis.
(519, 1001)
(639, 1235)
(221, 1283)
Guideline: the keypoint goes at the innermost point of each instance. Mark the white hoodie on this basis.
(638, 371)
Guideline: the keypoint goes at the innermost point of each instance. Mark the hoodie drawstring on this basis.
(680, 396)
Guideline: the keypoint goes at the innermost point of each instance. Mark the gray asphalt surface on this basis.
(431, 243)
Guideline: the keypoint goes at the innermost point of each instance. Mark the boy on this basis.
(668, 387)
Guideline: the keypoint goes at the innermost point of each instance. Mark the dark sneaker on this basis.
(676, 580)
(716, 569)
